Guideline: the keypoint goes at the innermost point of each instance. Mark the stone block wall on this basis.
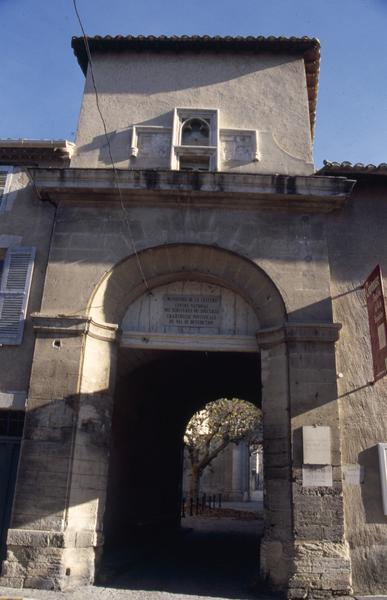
(357, 242)
(70, 399)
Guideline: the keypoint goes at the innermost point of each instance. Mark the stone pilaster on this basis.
(317, 556)
(55, 530)
(277, 544)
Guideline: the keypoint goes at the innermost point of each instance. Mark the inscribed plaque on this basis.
(191, 310)
(316, 445)
(317, 476)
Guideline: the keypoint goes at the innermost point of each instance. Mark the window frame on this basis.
(210, 151)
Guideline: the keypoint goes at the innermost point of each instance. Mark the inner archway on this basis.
(221, 445)
(157, 393)
(153, 403)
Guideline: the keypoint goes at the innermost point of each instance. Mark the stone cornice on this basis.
(184, 342)
(299, 332)
(73, 325)
(168, 188)
(76, 325)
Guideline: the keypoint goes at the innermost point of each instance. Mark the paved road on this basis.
(198, 564)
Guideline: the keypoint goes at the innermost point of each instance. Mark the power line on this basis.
(115, 174)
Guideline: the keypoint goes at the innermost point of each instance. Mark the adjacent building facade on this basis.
(192, 253)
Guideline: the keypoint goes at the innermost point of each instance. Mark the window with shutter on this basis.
(14, 291)
(5, 178)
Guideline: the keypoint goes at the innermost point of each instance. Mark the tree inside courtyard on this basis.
(211, 430)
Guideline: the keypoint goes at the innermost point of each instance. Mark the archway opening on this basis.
(197, 302)
(222, 449)
(157, 393)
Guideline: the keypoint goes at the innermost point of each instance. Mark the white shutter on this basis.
(14, 291)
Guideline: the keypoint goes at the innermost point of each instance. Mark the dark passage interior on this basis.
(157, 393)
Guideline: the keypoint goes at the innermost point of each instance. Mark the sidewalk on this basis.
(100, 593)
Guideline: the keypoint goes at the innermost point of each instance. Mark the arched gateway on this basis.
(129, 316)
(185, 244)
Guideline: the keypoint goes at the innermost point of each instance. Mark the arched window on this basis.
(195, 132)
(195, 137)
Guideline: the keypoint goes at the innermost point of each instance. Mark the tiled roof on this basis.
(348, 167)
(25, 151)
(308, 48)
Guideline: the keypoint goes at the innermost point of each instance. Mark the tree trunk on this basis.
(194, 483)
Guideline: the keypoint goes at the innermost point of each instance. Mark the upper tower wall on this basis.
(230, 107)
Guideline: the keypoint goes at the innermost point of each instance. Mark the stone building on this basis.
(235, 475)
(194, 256)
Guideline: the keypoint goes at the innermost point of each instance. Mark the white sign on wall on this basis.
(382, 448)
(316, 445)
(317, 476)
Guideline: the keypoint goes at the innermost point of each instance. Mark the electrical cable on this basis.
(115, 174)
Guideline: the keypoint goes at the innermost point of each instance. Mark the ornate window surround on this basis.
(211, 152)
(179, 150)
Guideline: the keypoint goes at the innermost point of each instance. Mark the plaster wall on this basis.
(357, 242)
(252, 91)
(28, 222)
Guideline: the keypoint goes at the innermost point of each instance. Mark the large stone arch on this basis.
(162, 264)
(123, 285)
(303, 549)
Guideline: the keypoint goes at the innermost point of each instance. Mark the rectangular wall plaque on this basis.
(382, 448)
(316, 445)
(191, 310)
(317, 476)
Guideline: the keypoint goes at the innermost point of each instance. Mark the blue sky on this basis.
(41, 84)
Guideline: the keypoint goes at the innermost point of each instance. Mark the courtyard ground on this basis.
(213, 557)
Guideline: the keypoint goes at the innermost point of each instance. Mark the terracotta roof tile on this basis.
(348, 167)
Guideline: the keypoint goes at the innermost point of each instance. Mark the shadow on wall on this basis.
(151, 409)
(153, 403)
(185, 74)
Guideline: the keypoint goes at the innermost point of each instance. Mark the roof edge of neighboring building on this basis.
(353, 169)
(307, 47)
(23, 151)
